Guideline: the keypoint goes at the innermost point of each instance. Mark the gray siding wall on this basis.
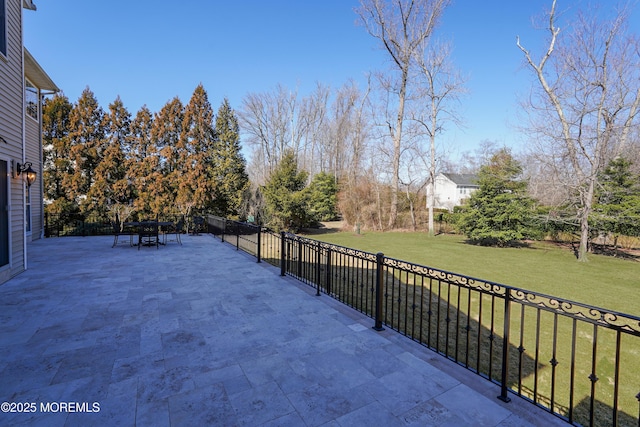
(11, 130)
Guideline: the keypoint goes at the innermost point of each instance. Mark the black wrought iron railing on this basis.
(253, 239)
(59, 225)
(77, 224)
(576, 361)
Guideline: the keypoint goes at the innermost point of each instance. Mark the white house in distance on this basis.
(22, 85)
(453, 188)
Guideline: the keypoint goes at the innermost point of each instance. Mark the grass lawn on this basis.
(604, 281)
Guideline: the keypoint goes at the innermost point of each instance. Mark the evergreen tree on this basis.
(110, 185)
(87, 142)
(166, 131)
(227, 167)
(500, 211)
(323, 197)
(143, 164)
(617, 210)
(285, 196)
(196, 150)
(57, 161)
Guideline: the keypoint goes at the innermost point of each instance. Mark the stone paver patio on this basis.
(202, 335)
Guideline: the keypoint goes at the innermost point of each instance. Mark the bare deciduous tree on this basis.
(312, 124)
(279, 121)
(267, 119)
(441, 89)
(402, 26)
(586, 106)
(352, 130)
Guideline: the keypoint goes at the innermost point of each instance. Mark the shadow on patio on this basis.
(201, 334)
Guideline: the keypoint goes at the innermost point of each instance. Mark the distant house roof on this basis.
(465, 179)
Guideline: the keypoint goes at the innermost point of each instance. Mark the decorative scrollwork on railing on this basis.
(448, 277)
(356, 253)
(518, 294)
(572, 309)
(334, 248)
(622, 322)
(398, 263)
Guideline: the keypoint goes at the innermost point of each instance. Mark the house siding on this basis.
(449, 193)
(445, 195)
(11, 130)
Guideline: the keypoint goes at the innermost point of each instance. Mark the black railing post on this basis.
(223, 229)
(504, 389)
(329, 271)
(237, 236)
(318, 270)
(283, 262)
(259, 244)
(378, 295)
(299, 263)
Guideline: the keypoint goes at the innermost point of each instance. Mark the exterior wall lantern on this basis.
(27, 170)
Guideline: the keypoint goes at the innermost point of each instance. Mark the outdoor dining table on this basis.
(138, 224)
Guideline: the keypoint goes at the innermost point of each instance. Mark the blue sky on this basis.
(148, 52)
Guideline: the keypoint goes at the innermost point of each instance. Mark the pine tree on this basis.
(323, 197)
(227, 168)
(166, 131)
(285, 196)
(142, 165)
(500, 212)
(196, 150)
(87, 142)
(57, 162)
(110, 185)
(617, 210)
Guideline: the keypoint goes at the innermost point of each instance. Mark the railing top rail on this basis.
(369, 256)
(244, 224)
(240, 224)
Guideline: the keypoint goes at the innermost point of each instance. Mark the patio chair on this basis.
(148, 234)
(177, 230)
(198, 225)
(120, 230)
(174, 228)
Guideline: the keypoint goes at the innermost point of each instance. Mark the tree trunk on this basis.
(583, 249)
(432, 172)
(397, 142)
(584, 220)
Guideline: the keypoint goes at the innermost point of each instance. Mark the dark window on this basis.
(3, 27)
(31, 97)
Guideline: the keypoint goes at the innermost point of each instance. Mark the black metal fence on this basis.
(253, 239)
(576, 361)
(59, 225)
(579, 362)
(77, 224)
